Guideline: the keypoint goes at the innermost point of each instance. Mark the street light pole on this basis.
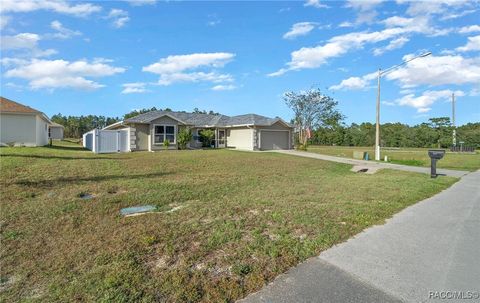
(380, 74)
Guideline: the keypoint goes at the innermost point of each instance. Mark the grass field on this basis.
(246, 218)
(407, 156)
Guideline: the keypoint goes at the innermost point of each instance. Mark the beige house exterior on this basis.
(21, 125)
(245, 132)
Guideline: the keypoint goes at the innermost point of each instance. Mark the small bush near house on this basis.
(207, 136)
(166, 144)
(302, 147)
(184, 136)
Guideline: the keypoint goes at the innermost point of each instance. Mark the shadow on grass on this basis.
(65, 180)
(71, 148)
(60, 158)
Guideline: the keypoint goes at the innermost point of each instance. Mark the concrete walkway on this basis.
(373, 164)
(427, 248)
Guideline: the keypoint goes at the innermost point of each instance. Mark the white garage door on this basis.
(274, 140)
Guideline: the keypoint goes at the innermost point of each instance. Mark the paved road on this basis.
(432, 246)
(426, 170)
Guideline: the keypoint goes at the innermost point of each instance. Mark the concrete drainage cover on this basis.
(85, 196)
(370, 170)
(137, 210)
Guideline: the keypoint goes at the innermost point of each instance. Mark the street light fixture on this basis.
(380, 74)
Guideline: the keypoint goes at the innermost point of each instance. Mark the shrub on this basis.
(184, 136)
(166, 144)
(207, 137)
(302, 147)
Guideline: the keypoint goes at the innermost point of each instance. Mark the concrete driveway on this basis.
(426, 253)
(373, 164)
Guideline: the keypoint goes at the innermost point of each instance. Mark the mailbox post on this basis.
(435, 155)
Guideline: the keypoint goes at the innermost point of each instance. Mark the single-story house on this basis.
(21, 125)
(55, 131)
(148, 131)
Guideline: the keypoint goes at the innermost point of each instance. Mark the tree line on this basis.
(429, 134)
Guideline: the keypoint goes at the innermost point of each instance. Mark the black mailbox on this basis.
(435, 154)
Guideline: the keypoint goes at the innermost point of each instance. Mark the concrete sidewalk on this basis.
(429, 247)
(373, 164)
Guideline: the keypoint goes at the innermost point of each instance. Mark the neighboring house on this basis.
(249, 132)
(55, 131)
(21, 125)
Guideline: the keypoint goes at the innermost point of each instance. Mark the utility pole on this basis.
(380, 74)
(377, 125)
(453, 121)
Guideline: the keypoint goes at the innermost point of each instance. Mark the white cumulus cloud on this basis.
(20, 41)
(438, 70)
(355, 83)
(184, 68)
(62, 74)
(299, 29)
(62, 32)
(424, 102)
(119, 17)
(134, 88)
(469, 29)
(221, 87)
(315, 3)
(473, 44)
(59, 6)
(394, 44)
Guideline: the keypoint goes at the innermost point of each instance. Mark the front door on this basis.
(221, 138)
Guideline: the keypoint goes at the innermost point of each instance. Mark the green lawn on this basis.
(247, 217)
(407, 156)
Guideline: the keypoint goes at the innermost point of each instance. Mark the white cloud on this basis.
(25, 42)
(473, 44)
(366, 10)
(141, 2)
(355, 83)
(179, 63)
(438, 70)
(20, 41)
(134, 88)
(315, 3)
(224, 87)
(59, 6)
(437, 7)
(394, 44)
(62, 32)
(119, 17)
(176, 68)
(450, 16)
(62, 74)
(299, 29)
(469, 29)
(424, 102)
(313, 57)
(346, 24)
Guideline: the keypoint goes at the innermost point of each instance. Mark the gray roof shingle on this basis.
(199, 119)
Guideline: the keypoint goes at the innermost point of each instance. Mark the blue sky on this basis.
(109, 57)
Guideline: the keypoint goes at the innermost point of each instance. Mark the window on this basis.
(49, 132)
(164, 132)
